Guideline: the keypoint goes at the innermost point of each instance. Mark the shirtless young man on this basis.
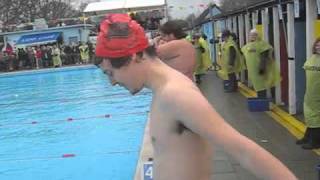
(182, 122)
(177, 52)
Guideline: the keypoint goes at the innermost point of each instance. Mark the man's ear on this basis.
(172, 36)
(137, 58)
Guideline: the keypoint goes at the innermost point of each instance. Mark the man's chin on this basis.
(134, 92)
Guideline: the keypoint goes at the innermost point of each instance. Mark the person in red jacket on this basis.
(38, 57)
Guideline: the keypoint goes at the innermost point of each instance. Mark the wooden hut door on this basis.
(284, 65)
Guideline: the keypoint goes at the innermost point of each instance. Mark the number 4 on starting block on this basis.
(148, 170)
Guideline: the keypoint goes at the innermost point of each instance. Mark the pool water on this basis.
(69, 124)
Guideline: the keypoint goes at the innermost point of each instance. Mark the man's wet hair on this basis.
(119, 62)
(226, 33)
(234, 36)
(174, 27)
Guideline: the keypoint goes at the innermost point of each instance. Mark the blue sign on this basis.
(148, 171)
(39, 38)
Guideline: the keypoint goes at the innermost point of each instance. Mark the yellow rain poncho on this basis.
(206, 61)
(226, 68)
(84, 53)
(188, 38)
(312, 95)
(203, 56)
(199, 65)
(252, 52)
(56, 57)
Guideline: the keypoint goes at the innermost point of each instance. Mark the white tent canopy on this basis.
(111, 5)
(123, 5)
(144, 4)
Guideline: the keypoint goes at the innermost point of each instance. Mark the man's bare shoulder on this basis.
(179, 43)
(184, 43)
(174, 93)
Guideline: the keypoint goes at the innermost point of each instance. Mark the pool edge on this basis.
(146, 151)
(46, 70)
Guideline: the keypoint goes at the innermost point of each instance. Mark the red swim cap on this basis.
(120, 36)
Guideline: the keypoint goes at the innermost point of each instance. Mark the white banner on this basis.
(266, 13)
(280, 12)
(296, 9)
(318, 5)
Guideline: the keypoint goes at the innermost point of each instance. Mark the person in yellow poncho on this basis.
(206, 54)
(203, 57)
(189, 38)
(311, 106)
(262, 70)
(198, 69)
(56, 56)
(231, 61)
(84, 53)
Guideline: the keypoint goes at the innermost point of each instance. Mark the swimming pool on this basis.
(69, 124)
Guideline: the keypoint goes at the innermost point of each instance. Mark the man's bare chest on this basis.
(164, 128)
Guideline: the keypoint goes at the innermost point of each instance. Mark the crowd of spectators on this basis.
(43, 56)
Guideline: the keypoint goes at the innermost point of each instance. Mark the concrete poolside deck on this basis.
(259, 127)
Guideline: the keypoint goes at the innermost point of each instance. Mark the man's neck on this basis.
(155, 74)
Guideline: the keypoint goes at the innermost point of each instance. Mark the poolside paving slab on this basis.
(259, 127)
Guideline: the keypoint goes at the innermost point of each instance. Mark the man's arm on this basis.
(192, 109)
(168, 51)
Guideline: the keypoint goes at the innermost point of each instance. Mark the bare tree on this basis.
(17, 11)
(82, 6)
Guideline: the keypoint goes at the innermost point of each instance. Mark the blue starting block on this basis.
(258, 104)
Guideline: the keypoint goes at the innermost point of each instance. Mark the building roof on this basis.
(235, 9)
(48, 29)
(216, 10)
(231, 5)
(123, 5)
